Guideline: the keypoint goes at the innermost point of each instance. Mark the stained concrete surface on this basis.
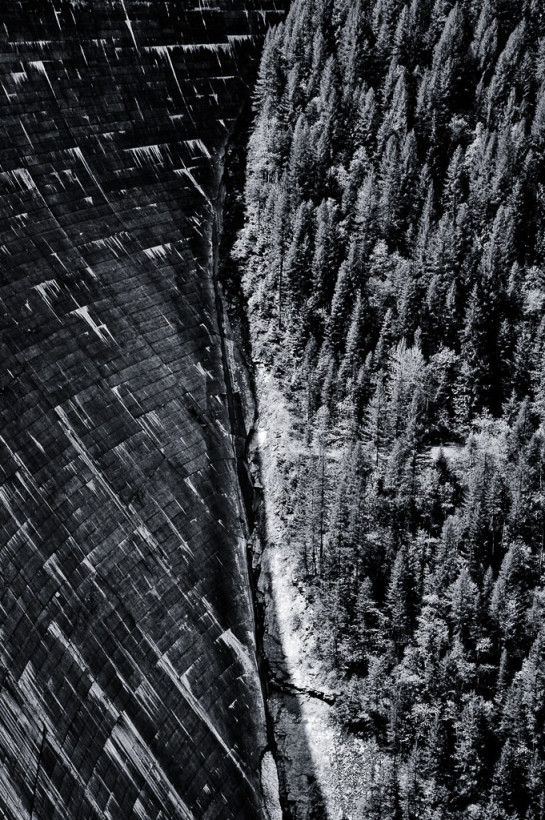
(128, 680)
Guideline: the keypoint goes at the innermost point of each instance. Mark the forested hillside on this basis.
(393, 260)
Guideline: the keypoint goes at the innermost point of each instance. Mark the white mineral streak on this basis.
(194, 48)
(77, 154)
(114, 243)
(222, 428)
(146, 536)
(142, 419)
(198, 366)
(129, 25)
(240, 651)
(199, 146)
(101, 330)
(81, 450)
(59, 260)
(139, 809)
(41, 44)
(182, 684)
(9, 504)
(32, 694)
(170, 524)
(40, 68)
(37, 443)
(128, 511)
(25, 180)
(25, 132)
(126, 744)
(174, 72)
(158, 251)
(192, 486)
(146, 154)
(9, 94)
(19, 77)
(147, 694)
(52, 566)
(55, 630)
(186, 172)
(48, 290)
(241, 38)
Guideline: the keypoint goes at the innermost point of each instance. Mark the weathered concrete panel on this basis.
(128, 684)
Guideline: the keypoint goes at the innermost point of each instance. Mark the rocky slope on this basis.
(322, 768)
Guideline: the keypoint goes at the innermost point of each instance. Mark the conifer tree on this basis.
(395, 228)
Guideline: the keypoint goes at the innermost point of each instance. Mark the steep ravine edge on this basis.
(297, 784)
(297, 711)
(242, 412)
(323, 768)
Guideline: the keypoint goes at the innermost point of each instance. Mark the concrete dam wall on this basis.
(128, 677)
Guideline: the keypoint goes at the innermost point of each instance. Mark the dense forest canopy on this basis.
(393, 259)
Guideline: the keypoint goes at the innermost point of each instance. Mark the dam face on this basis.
(128, 679)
